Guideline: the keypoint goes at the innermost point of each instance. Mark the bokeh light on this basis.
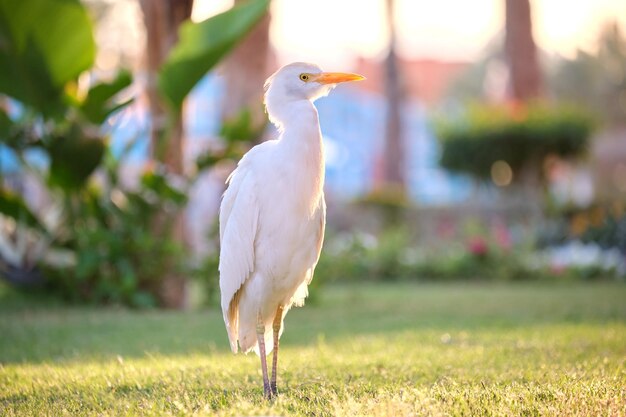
(501, 173)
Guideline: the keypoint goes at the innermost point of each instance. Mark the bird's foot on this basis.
(268, 393)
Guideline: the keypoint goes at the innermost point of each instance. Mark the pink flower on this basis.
(477, 246)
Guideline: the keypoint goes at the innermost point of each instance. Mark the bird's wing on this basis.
(302, 291)
(239, 213)
(321, 216)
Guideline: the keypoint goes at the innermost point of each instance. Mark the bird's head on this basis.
(301, 81)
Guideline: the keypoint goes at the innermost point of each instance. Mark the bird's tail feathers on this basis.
(231, 317)
(232, 336)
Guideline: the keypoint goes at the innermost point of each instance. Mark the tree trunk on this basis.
(525, 85)
(162, 19)
(245, 71)
(521, 52)
(393, 160)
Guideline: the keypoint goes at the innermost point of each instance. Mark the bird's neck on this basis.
(299, 123)
(301, 140)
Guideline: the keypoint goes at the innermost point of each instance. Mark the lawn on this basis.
(382, 350)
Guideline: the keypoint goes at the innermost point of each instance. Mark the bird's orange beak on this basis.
(337, 77)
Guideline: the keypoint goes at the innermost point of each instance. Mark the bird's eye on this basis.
(304, 77)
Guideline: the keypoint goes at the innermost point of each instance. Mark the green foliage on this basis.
(389, 203)
(5, 124)
(13, 206)
(241, 128)
(521, 137)
(99, 103)
(112, 232)
(158, 184)
(358, 257)
(74, 156)
(604, 225)
(237, 134)
(391, 197)
(393, 256)
(609, 234)
(523, 349)
(206, 274)
(110, 229)
(202, 45)
(44, 44)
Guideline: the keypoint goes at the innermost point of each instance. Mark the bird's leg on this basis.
(277, 322)
(260, 334)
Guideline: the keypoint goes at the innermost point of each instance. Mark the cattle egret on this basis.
(273, 214)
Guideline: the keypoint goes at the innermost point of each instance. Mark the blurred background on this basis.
(488, 142)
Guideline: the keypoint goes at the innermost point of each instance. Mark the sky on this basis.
(333, 32)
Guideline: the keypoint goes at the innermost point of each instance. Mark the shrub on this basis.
(111, 232)
(519, 136)
(392, 256)
(609, 232)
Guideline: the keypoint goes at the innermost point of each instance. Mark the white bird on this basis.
(272, 216)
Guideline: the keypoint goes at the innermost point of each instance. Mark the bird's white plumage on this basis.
(272, 215)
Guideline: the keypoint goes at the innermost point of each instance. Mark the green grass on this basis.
(381, 350)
